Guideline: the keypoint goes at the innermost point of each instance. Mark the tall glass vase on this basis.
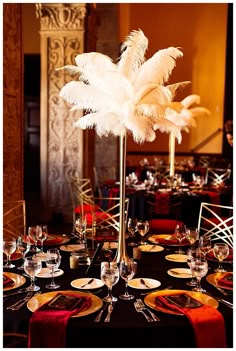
(121, 252)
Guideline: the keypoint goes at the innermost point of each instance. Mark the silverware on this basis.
(221, 290)
(140, 310)
(147, 293)
(98, 318)
(25, 301)
(142, 281)
(88, 283)
(227, 303)
(19, 302)
(144, 308)
(110, 309)
(20, 291)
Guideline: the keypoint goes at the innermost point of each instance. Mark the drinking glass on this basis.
(199, 268)
(41, 234)
(23, 247)
(192, 235)
(33, 237)
(204, 245)
(180, 233)
(192, 253)
(9, 246)
(53, 261)
(142, 228)
(109, 276)
(221, 251)
(128, 269)
(131, 226)
(80, 227)
(32, 266)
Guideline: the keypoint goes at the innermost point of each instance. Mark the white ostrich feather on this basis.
(200, 112)
(177, 86)
(95, 61)
(132, 53)
(190, 100)
(73, 70)
(156, 94)
(168, 126)
(158, 68)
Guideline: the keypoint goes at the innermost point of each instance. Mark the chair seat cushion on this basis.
(163, 226)
(89, 212)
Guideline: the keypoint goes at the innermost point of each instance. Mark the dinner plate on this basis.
(71, 247)
(151, 248)
(45, 273)
(203, 298)
(110, 245)
(78, 283)
(180, 272)
(14, 257)
(214, 277)
(176, 258)
(167, 240)
(41, 255)
(151, 283)
(56, 239)
(35, 302)
(17, 278)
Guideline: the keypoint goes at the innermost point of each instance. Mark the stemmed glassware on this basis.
(128, 269)
(80, 227)
(204, 245)
(32, 266)
(192, 252)
(41, 234)
(199, 268)
(131, 226)
(23, 247)
(180, 233)
(142, 228)
(9, 246)
(192, 235)
(221, 251)
(110, 276)
(33, 237)
(53, 261)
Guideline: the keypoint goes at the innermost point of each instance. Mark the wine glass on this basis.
(204, 245)
(23, 246)
(199, 268)
(109, 276)
(131, 226)
(9, 246)
(221, 251)
(41, 234)
(32, 266)
(128, 269)
(180, 233)
(192, 252)
(80, 227)
(33, 237)
(142, 227)
(53, 260)
(192, 235)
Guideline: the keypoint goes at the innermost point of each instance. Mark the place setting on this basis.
(87, 283)
(12, 281)
(144, 283)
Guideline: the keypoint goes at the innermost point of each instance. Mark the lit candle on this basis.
(172, 154)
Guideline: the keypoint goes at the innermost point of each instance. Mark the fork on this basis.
(139, 309)
(28, 296)
(221, 290)
(24, 301)
(144, 308)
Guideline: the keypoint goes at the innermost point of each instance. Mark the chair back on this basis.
(14, 219)
(216, 176)
(216, 222)
(101, 175)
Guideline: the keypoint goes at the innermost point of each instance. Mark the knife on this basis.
(142, 281)
(110, 309)
(98, 318)
(20, 291)
(88, 283)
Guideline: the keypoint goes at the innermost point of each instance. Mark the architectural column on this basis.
(63, 28)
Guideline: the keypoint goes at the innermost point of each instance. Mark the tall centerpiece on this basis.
(127, 97)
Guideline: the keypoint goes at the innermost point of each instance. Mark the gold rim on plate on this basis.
(214, 277)
(154, 239)
(203, 298)
(17, 278)
(35, 302)
(151, 248)
(64, 239)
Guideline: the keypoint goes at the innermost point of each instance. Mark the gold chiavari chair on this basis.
(216, 176)
(14, 219)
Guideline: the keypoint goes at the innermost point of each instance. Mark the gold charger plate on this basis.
(36, 301)
(14, 257)
(162, 239)
(203, 298)
(17, 278)
(50, 241)
(214, 277)
(72, 247)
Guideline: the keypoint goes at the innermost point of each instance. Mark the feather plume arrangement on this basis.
(130, 96)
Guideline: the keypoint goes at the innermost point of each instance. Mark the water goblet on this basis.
(192, 235)
(192, 253)
(204, 245)
(32, 235)
(41, 234)
(142, 228)
(128, 269)
(199, 268)
(131, 226)
(221, 251)
(9, 246)
(109, 276)
(80, 227)
(23, 246)
(53, 261)
(32, 266)
(180, 233)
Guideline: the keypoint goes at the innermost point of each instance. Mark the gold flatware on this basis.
(142, 281)
(100, 313)
(88, 283)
